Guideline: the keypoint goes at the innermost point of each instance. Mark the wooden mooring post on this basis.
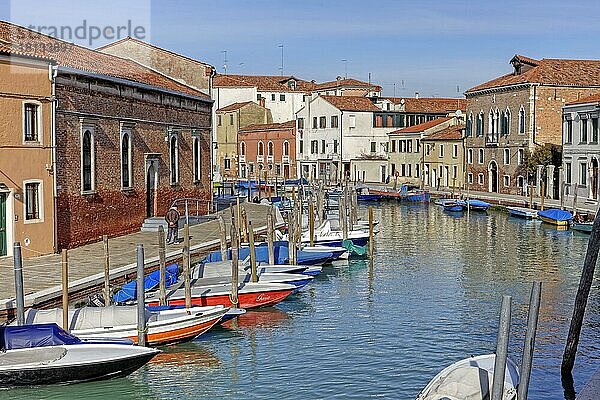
(543, 192)
(233, 298)
(186, 266)
(65, 289)
(252, 252)
(222, 237)
(19, 292)
(532, 321)
(530, 196)
(106, 271)
(162, 266)
(502, 349)
(371, 233)
(271, 235)
(311, 223)
(141, 299)
(585, 284)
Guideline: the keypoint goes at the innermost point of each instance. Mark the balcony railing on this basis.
(243, 159)
(491, 139)
(285, 159)
(270, 159)
(260, 159)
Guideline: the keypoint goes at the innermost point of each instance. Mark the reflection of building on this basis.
(443, 158)
(26, 158)
(270, 148)
(404, 149)
(128, 140)
(229, 121)
(581, 151)
(517, 112)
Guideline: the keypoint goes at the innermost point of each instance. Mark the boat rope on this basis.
(233, 299)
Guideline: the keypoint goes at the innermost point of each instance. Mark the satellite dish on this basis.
(458, 113)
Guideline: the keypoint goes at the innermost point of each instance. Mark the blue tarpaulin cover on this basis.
(38, 335)
(478, 203)
(281, 255)
(556, 214)
(129, 290)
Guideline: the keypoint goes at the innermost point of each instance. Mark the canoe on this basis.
(166, 326)
(471, 379)
(46, 354)
(250, 295)
(585, 227)
(555, 216)
(522, 212)
(477, 205)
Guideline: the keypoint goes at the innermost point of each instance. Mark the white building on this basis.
(581, 150)
(336, 137)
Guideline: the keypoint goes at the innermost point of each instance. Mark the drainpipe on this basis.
(534, 113)
(53, 70)
(342, 173)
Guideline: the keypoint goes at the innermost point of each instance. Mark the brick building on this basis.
(512, 115)
(229, 121)
(270, 148)
(129, 141)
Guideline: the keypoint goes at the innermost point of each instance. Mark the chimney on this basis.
(338, 78)
(416, 95)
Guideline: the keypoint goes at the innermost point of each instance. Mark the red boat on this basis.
(250, 295)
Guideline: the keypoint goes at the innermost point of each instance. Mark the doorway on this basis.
(493, 177)
(3, 241)
(151, 184)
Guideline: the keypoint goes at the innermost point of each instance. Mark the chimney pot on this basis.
(416, 95)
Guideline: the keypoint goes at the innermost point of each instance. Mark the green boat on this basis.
(585, 227)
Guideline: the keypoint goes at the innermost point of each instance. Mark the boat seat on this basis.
(42, 355)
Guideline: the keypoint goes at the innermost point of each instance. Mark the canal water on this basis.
(433, 297)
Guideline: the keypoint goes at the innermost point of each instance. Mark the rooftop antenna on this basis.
(394, 89)
(369, 78)
(224, 61)
(345, 61)
(281, 68)
(457, 89)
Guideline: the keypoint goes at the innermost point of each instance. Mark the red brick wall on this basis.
(112, 211)
(278, 137)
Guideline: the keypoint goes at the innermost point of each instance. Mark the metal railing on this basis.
(192, 206)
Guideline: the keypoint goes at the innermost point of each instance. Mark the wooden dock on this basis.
(42, 275)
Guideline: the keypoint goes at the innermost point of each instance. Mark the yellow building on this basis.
(229, 120)
(26, 157)
(444, 158)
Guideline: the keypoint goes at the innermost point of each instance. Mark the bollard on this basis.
(162, 262)
(141, 299)
(186, 266)
(252, 252)
(65, 290)
(19, 293)
(106, 271)
(223, 237)
(311, 223)
(532, 321)
(234, 265)
(501, 349)
(271, 236)
(371, 232)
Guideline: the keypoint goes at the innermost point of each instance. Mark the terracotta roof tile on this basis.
(268, 127)
(422, 126)
(347, 82)
(235, 106)
(263, 83)
(549, 71)
(30, 43)
(351, 103)
(450, 133)
(430, 104)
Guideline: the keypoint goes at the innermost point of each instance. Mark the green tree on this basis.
(545, 154)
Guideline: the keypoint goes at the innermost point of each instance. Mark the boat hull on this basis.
(245, 300)
(520, 212)
(553, 221)
(582, 227)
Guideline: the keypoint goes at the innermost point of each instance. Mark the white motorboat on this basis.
(46, 354)
(471, 379)
(164, 326)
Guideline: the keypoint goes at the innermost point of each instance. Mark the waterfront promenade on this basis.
(42, 275)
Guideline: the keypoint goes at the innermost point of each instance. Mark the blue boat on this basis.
(281, 255)
(555, 217)
(477, 205)
(454, 205)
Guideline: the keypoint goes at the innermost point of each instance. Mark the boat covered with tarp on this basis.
(555, 216)
(477, 205)
(151, 281)
(44, 354)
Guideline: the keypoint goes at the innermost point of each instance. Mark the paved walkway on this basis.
(42, 275)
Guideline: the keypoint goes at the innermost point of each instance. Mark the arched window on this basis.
(490, 122)
(174, 159)
(242, 149)
(522, 120)
(286, 148)
(87, 160)
(197, 160)
(507, 122)
(480, 124)
(270, 149)
(261, 149)
(469, 127)
(126, 159)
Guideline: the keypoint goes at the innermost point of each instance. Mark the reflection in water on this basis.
(432, 297)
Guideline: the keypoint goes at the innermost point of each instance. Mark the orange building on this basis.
(270, 147)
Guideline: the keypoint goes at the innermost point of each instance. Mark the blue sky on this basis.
(428, 46)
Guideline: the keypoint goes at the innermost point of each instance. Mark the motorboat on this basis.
(522, 212)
